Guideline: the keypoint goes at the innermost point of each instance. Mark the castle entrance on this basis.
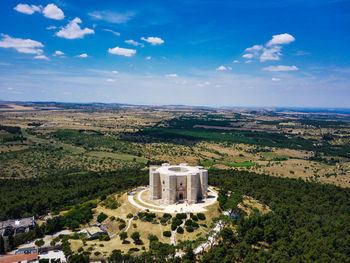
(181, 196)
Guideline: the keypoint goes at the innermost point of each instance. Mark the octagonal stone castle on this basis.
(178, 183)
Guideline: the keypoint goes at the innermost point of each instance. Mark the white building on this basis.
(178, 183)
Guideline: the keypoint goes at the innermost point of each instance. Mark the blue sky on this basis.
(192, 52)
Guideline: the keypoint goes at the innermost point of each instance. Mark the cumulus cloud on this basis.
(41, 57)
(271, 53)
(153, 40)
(51, 27)
(248, 61)
(112, 31)
(27, 46)
(275, 79)
(149, 58)
(281, 68)
(235, 61)
(110, 80)
(281, 39)
(221, 68)
(58, 53)
(84, 55)
(248, 56)
(172, 75)
(112, 17)
(254, 48)
(272, 49)
(122, 51)
(27, 9)
(73, 30)
(134, 43)
(115, 71)
(53, 12)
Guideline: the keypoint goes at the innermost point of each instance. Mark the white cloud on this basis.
(153, 40)
(149, 58)
(112, 31)
(115, 72)
(229, 68)
(73, 30)
(271, 53)
(248, 61)
(172, 75)
(275, 79)
(110, 80)
(53, 12)
(254, 48)
(272, 49)
(51, 27)
(281, 39)
(281, 68)
(84, 55)
(134, 43)
(58, 53)
(221, 68)
(112, 17)
(235, 61)
(248, 56)
(122, 51)
(41, 57)
(27, 46)
(203, 84)
(27, 9)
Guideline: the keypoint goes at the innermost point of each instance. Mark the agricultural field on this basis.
(38, 139)
(286, 174)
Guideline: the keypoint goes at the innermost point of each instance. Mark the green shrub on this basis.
(101, 217)
(180, 230)
(173, 226)
(194, 217)
(189, 229)
(181, 216)
(121, 226)
(167, 233)
(201, 216)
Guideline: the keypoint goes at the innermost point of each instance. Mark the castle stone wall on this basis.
(178, 183)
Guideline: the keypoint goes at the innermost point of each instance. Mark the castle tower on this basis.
(178, 183)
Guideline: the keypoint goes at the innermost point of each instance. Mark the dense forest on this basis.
(184, 131)
(309, 221)
(38, 196)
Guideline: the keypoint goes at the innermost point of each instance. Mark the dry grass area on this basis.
(25, 159)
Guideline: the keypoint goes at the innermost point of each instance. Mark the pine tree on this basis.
(2, 246)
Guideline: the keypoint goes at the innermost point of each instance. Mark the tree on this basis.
(123, 235)
(116, 256)
(39, 243)
(136, 237)
(167, 233)
(232, 203)
(227, 235)
(2, 245)
(101, 217)
(189, 255)
(80, 258)
(11, 242)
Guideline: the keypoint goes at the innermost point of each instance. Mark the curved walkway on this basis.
(174, 208)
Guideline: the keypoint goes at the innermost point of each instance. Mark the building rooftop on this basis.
(181, 169)
(18, 258)
(16, 223)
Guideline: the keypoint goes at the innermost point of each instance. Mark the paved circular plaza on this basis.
(140, 198)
